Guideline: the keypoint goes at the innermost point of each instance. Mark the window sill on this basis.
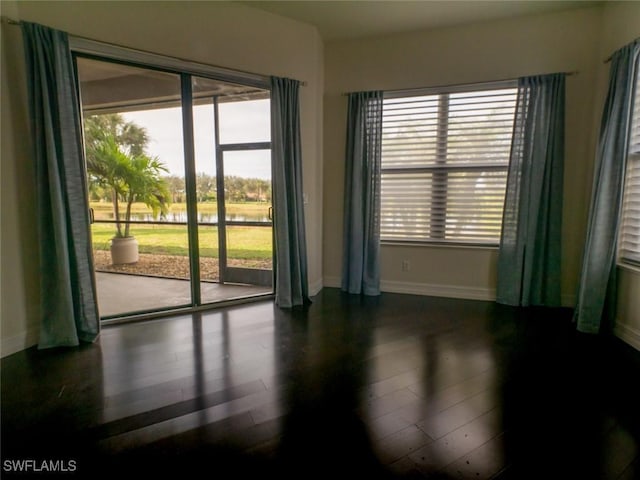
(629, 267)
(465, 246)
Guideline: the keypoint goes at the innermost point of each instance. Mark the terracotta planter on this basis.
(124, 250)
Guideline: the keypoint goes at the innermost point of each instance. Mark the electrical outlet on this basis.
(406, 266)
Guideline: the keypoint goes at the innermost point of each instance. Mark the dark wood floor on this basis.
(396, 386)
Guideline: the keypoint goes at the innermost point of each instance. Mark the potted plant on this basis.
(130, 175)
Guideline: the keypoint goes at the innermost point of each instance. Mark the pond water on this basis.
(181, 217)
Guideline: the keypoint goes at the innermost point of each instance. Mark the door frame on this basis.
(82, 47)
(252, 276)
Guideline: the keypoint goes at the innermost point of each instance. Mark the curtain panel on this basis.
(69, 312)
(598, 276)
(288, 213)
(361, 229)
(530, 243)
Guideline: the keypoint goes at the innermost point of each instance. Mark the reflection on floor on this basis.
(121, 293)
(352, 387)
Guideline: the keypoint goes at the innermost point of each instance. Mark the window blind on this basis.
(445, 156)
(629, 246)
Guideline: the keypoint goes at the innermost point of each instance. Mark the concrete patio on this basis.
(120, 294)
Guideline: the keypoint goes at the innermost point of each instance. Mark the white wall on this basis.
(503, 49)
(627, 324)
(215, 33)
(621, 25)
(18, 257)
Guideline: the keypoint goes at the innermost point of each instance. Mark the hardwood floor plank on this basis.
(485, 461)
(397, 382)
(267, 412)
(400, 444)
(632, 472)
(135, 415)
(439, 398)
(388, 403)
(405, 468)
(396, 386)
(186, 422)
(393, 422)
(458, 443)
(621, 450)
(440, 423)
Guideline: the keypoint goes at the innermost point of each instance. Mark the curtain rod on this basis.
(610, 57)
(417, 89)
(11, 21)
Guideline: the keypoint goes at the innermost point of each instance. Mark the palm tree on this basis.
(144, 184)
(133, 138)
(130, 178)
(117, 163)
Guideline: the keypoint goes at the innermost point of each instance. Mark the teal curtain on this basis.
(530, 243)
(361, 230)
(598, 264)
(288, 213)
(68, 295)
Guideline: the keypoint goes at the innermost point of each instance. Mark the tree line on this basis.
(236, 189)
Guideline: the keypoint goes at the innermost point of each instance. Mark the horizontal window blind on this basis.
(444, 165)
(629, 248)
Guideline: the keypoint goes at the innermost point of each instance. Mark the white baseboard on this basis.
(446, 291)
(568, 300)
(315, 287)
(628, 334)
(412, 288)
(21, 341)
(333, 282)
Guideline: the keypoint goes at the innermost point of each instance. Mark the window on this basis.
(629, 247)
(445, 156)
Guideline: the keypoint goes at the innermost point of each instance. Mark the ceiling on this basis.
(113, 87)
(353, 19)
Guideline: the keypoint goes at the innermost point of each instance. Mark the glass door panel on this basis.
(247, 219)
(245, 120)
(231, 125)
(135, 164)
(206, 189)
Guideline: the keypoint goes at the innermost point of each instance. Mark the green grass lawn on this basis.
(103, 210)
(252, 243)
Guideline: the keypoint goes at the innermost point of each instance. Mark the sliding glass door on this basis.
(231, 131)
(179, 170)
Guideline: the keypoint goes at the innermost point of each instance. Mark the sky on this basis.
(239, 122)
